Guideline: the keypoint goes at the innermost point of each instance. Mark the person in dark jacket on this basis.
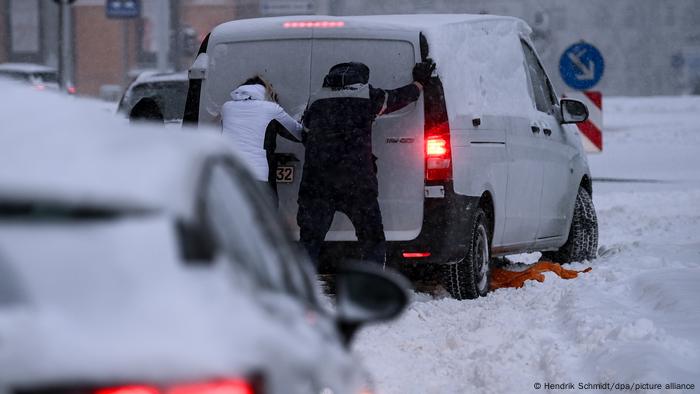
(340, 172)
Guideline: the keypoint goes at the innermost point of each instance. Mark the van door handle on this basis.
(535, 129)
(547, 132)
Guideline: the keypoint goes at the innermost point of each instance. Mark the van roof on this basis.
(408, 23)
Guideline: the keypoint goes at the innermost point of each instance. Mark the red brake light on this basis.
(436, 146)
(415, 255)
(312, 24)
(230, 386)
(438, 158)
(71, 89)
(128, 390)
(227, 386)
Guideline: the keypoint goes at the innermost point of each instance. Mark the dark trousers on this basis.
(315, 216)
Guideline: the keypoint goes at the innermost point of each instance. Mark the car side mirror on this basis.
(367, 294)
(573, 111)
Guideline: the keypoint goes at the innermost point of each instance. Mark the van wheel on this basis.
(582, 243)
(470, 277)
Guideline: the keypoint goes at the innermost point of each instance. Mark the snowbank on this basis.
(633, 318)
(57, 147)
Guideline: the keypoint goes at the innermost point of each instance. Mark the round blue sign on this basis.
(581, 66)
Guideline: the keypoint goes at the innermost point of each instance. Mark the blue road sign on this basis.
(123, 9)
(581, 66)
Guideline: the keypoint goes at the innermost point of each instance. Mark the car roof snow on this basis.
(26, 67)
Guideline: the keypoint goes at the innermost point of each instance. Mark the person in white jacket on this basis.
(253, 120)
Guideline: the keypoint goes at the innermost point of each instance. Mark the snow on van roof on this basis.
(66, 150)
(408, 22)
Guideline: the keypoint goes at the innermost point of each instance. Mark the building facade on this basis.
(108, 53)
(650, 47)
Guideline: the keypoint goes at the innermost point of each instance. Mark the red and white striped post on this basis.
(591, 130)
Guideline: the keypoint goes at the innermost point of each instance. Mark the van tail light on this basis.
(227, 386)
(438, 155)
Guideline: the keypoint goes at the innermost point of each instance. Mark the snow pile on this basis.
(108, 301)
(54, 146)
(650, 138)
(633, 319)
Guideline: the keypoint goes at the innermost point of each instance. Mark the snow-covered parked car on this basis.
(40, 76)
(150, 262)
(168, 90)
(485, 163)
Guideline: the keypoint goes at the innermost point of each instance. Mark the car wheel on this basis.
(582, 243)
(470, 277)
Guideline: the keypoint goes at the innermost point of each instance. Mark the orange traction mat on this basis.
(501, 278)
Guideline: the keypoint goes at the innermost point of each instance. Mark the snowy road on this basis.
(634, 319)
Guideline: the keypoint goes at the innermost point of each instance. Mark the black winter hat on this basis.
(344, 74)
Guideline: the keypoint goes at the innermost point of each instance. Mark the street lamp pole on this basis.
(65, 44)
(163, 35)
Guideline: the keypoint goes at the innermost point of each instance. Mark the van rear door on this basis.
(285, 62)
(397, 137)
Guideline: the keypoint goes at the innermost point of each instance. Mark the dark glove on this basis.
(423, 70)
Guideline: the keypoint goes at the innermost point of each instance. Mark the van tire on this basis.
(582, 243)
(470, 277)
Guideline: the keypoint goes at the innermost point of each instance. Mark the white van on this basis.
(483, 164)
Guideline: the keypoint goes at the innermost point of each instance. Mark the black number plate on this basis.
(285, 174)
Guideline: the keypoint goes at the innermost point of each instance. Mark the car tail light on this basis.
(438, 157)
(40, 87)
(312, 24)
(415, 255)
(227, 386)
(231, 386)
(71, 90)
(134, 389)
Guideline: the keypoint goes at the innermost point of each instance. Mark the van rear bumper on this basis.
(443, 234)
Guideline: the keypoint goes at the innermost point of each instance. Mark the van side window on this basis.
(538, 79)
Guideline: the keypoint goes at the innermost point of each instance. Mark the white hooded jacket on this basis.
(245, 121)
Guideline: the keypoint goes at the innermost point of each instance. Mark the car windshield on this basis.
(170, 97)
(47, 77)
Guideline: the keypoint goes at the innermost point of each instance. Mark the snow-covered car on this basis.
(486, 163)
(168, 90)
(40, 76)
(150, 262)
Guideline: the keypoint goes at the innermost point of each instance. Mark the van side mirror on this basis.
(573, 111)
(367, 294)
(199, 67)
